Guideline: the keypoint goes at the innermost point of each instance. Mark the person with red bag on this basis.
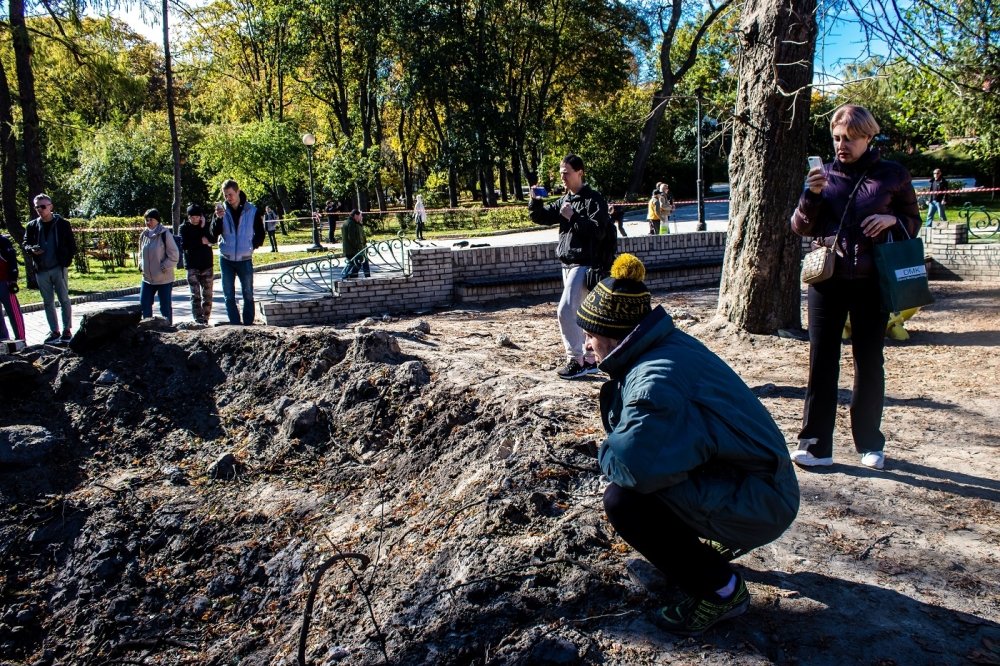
(8, 291)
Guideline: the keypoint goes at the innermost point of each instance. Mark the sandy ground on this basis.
(887, 566)
(444, 448)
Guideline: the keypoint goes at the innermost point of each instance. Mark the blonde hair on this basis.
(858, 120)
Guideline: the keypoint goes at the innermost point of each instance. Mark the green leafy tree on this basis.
(260, 156)
(124, 170)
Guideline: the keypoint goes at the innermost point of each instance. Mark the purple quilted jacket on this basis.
(886, 190)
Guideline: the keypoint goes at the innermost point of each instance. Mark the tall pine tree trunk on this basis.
(175, 146)
(760, 291)
(30, 128)
(8, 162)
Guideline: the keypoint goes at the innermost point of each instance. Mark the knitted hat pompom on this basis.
(628, 267)
(618, 303)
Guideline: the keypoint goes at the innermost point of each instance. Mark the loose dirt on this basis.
(171, 499)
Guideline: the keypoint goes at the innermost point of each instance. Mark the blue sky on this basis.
(840, 43)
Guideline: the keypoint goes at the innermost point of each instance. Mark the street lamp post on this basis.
(310, 140)
(701, 200)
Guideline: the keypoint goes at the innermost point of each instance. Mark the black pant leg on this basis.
(868, 322)
(827, 307)
(649, 526)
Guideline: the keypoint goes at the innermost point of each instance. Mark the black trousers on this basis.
(649, 526)
(829, 303)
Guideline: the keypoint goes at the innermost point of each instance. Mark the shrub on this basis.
(506, 218)
(119, 236)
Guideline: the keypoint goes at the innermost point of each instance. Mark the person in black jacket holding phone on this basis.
(197, 243)
(587, 240)
(49, 241)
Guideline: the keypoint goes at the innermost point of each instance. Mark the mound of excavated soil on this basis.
(425, 492)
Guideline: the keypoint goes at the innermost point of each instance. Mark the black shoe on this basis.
(573, 369)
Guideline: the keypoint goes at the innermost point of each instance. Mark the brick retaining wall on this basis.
(954, 258)
(442, 276)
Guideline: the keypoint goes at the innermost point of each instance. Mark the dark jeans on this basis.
(244, 271)
(274, 241)
(164, 293)
(332, 237)
(829, 304)
(649, 526)
(352, 267)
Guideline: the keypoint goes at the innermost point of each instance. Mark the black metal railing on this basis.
(319, 276)
(982, 223)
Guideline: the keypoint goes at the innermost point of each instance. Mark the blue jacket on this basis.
(683, 425)
(238, 240)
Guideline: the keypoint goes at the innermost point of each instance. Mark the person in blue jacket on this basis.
(699, 472)
(239, 231)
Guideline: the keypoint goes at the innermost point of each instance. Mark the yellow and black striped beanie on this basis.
(618, 303)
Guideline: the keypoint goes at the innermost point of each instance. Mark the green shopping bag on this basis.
(902, 274)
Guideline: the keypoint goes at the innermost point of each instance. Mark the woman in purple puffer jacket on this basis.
(866, 198)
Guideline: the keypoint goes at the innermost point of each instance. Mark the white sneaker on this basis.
(803, 458)
(873, 459)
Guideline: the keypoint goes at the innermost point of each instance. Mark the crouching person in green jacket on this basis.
(699, 471)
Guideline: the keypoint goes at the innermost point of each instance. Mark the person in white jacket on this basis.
(158, 257)
(419, 216)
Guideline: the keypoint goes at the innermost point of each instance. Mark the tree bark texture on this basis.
(30, 130)
(8, 162)
(175, 146)
(760, 292)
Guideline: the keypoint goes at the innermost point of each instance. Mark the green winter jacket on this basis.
(353, 239)
(683, 425)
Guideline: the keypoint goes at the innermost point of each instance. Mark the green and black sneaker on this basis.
(694, 616)
(727, 553)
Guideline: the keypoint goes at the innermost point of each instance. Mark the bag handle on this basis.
(890, 239)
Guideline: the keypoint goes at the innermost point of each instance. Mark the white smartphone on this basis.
(815, 162)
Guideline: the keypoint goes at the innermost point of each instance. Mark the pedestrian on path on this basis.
(270, 226)
(937, 197)
(49, 240)
(419, 216)
(654, 211)
(354, 246)
(158, 257)
(239, 231)
(197, 242)
(8, 291)
(331, 215)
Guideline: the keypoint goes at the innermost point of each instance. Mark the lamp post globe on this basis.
(309, 140)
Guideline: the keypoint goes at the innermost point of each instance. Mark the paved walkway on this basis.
(37, 326)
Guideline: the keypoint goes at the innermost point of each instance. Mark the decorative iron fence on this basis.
(982, 223)
(320, 275)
